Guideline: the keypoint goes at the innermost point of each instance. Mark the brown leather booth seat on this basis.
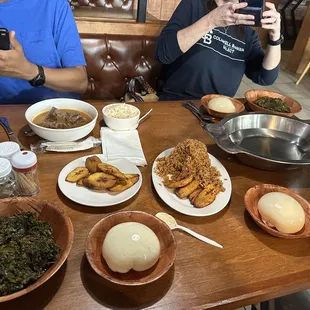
(113, 59)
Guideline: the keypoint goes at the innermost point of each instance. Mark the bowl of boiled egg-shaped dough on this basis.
(131, 248)
(221, 106)
(279, 211)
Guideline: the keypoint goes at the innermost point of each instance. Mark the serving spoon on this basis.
(171, 222)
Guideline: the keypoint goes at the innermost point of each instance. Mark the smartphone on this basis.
(256, 8)
(4, 39)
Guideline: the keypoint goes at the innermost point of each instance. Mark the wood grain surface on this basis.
(253, 266)
(98, 26)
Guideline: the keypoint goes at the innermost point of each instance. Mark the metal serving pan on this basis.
(263, 140)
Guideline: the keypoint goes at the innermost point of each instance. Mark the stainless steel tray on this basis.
(264, 140)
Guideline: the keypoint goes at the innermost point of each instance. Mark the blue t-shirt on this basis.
(47, 31)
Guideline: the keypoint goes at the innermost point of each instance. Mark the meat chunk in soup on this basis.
(63, 119)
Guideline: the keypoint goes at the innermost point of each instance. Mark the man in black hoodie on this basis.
(207, 47)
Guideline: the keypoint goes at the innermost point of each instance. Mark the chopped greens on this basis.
(27, 250)
(273, 104)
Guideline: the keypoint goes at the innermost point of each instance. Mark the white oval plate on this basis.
(183, 205)
(93, 198)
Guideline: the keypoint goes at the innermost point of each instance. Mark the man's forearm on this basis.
(63, 80)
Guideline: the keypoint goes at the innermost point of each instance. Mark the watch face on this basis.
(39, 82)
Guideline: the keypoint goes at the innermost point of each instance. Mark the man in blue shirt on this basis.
(46, 59)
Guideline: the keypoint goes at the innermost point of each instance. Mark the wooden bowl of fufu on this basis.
(131, 248)
(279, 211)
(221, 106)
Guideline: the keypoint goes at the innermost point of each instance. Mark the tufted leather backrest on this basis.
(121, 5)
(113, 59)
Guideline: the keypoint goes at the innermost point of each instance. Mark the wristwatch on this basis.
(39, 80)
(275, 43)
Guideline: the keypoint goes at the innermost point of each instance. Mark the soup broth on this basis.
(62, 119)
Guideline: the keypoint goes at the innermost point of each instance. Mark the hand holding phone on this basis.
(4, 39)
(255, 8)
(272, 21)
(227, 15)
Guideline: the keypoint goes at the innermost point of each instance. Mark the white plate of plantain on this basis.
(184, 205)
(93, 182)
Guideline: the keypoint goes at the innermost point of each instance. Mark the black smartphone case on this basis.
(257, 12)
(4, 39)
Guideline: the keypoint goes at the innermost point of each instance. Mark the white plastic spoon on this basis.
(171, 222)
(145, 115)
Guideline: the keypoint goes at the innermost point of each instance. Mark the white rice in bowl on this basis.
(121, 111)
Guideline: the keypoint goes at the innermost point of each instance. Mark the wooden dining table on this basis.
(253, 266)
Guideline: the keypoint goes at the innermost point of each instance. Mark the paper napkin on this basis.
(122, 144)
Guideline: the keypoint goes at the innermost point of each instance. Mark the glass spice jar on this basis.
(26, 173)
(7, 180)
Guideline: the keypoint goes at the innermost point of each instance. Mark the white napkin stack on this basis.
(122, 144)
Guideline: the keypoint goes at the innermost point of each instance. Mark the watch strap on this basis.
(275, 43)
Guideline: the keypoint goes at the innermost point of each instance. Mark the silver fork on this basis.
(203, 120)
(192, 107)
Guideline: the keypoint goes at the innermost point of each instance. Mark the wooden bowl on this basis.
(239, 106)
(163, 232)
(252, 95)
(62, 229)
(256, 192)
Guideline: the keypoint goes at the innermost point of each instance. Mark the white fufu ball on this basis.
(281, 211)
(130, 245)
(222, 104)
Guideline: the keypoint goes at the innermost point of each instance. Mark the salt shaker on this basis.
(8, 149)
(7, 181)
(26, 173)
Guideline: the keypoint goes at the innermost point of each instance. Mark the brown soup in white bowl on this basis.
(62, 119)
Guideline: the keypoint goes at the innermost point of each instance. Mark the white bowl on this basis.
(121, 123)
(67, 135)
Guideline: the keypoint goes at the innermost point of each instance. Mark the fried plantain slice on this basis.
(99, 180)
(210, 187)
(205, 197)
(92, 162)
(185, 191)
(181, 183)
(194, 194)
(122, 187)
(80, 182)
(109, 169)
(77, 174)
(130, 176)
